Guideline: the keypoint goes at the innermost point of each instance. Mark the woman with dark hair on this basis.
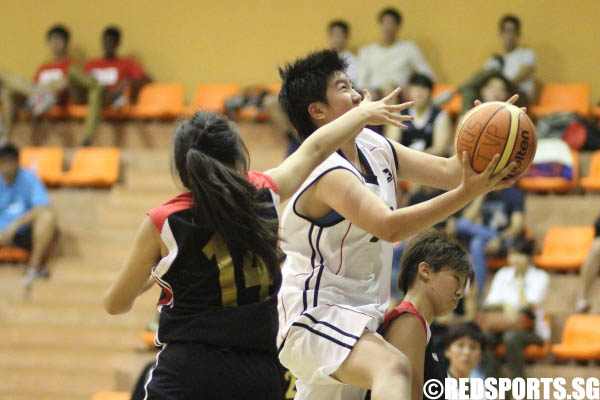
(218, 260)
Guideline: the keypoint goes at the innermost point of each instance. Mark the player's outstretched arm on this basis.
(290, 174)
(133, 276)
(438, 172)
(342, 191)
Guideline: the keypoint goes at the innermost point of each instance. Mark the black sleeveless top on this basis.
(208, 296)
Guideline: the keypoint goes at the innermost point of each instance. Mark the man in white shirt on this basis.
(516, 63)
(390, 63)
(516, 296)
(338, 33)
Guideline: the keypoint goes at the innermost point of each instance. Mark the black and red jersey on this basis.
(207, 295)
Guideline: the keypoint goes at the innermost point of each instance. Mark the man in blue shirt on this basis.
(26, 219)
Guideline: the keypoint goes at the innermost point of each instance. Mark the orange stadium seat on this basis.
(13, 254)
(563, 97)
(565, 248)
(45, 161)
(79, 111)
(148, 338)
(111, 396)
(580, 339)
(93, 166)
(592, 182)
(552, 184)
(211, 97)
(454, 106)
(159, 101)
(596, 111)
(533, 352)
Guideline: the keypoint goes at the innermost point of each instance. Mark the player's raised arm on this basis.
(343, 192)
(290, 174)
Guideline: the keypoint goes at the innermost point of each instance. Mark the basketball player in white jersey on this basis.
(337, 232)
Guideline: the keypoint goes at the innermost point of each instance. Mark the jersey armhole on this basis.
(327, 220)
(262, 181)
(393, 152)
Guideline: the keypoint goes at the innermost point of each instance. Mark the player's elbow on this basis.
(113, 306)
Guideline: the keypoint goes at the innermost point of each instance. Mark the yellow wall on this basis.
(195, 41)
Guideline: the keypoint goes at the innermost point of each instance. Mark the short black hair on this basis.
(392, 12)
(8, 150)
(338, 23)
(523, 245)
(421, 80)
(114, 32)
(436, 249)
(60, 30)
(512, 19)
(464, 329)
(304, 82)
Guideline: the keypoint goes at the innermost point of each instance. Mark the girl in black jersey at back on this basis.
(218, 262)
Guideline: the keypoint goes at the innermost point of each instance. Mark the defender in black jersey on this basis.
(218, 262)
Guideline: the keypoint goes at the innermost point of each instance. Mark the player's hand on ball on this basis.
(385, 111)
(478, 184)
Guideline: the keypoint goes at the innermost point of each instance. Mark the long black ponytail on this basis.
(211, 161)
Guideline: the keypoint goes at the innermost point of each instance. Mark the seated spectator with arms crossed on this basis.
(512, 313)
(26, 219)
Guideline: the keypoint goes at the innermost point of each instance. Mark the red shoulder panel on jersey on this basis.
(159, 214)
(262, 181)
(402, 308)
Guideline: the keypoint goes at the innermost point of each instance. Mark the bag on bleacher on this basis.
(576, 131)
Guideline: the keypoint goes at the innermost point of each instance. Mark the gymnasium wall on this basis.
(199, 41)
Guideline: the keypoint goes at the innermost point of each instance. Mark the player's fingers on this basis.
(466, 163)
(492, 164)
(477, 102)
(366, 95)
(513, 99)
(401, 106)
(524, 109)
(393, 122)
(392, 96)
(506, 171)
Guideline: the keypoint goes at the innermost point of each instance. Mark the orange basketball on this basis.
(496, 128)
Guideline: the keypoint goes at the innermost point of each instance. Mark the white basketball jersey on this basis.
(331, 261)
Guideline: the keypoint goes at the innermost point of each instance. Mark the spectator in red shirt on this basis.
(51, 84)
(117, 74)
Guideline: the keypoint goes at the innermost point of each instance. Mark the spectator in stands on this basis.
(589, 272)
(26, 219)
(431, 129)
(51, 84)
(514, 65)
(464, 344)
(515, 62)
(121, 77)
(490, 224)
(390, 63)
(512, 310)
(338, 33)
